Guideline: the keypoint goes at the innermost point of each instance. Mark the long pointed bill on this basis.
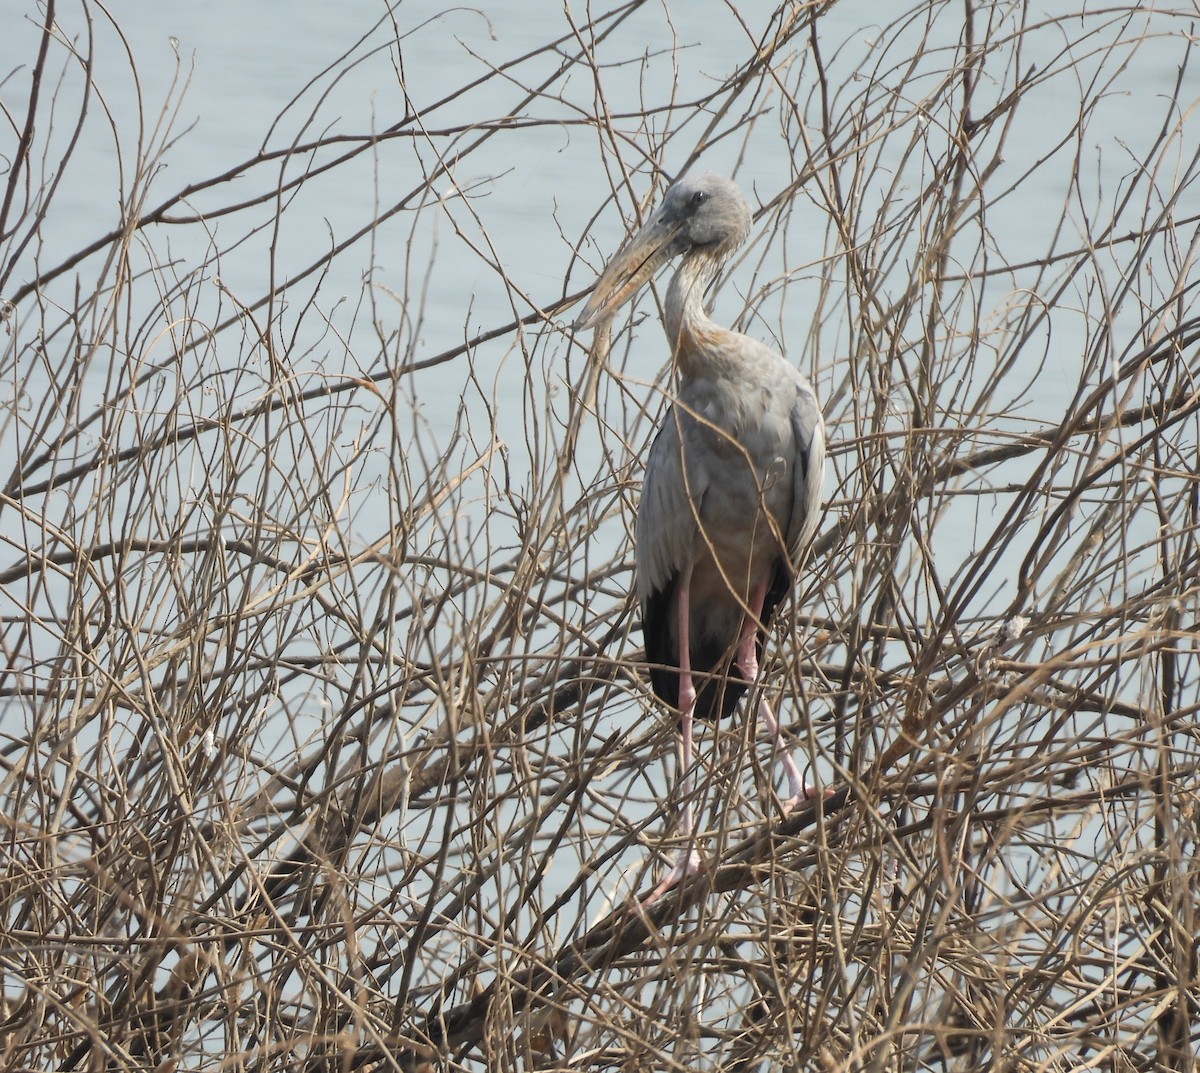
(637, 261)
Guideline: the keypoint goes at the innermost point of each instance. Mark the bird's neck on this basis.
(689, 329)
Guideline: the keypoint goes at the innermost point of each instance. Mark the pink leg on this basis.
(691, 861)
(747, 660)
(797, 790)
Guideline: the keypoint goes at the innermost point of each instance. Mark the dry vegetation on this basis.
(325, 741)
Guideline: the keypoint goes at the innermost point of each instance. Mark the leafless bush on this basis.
(326, 742)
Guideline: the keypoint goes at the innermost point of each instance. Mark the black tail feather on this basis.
(719, 683)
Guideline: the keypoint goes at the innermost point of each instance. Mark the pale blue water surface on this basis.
(233, 77)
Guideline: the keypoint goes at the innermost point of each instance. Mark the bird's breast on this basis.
(747, 419)
(746, 504)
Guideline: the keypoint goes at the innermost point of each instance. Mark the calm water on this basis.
(224, 80)
(225, 71)
(230, 77)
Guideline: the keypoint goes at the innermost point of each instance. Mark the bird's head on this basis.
(704, 214)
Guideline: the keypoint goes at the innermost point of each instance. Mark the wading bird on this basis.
(733, 482)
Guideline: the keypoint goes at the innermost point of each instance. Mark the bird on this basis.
(732, 489)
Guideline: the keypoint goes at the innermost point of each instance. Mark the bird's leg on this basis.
(747, 661)
(798, 790)
(690, 861)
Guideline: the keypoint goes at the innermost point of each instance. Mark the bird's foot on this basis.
(804, 794)
(686, 864)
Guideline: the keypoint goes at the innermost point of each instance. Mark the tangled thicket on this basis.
(326, 740)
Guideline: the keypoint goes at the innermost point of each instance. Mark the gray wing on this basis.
(667, 525)
(808, 428)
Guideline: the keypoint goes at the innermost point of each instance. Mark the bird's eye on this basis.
(699, 197)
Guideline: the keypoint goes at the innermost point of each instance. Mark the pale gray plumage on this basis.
(738, 463)
(731, 492)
